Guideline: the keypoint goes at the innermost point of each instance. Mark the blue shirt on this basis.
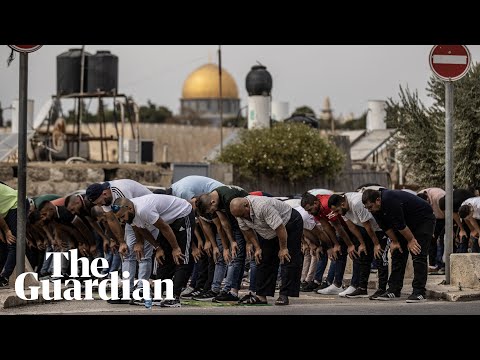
(194, 186)
(400, 209)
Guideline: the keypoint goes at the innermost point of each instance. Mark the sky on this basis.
(350, 75)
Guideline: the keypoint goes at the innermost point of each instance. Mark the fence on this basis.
(348, 181)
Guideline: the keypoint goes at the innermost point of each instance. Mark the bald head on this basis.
(240, 207)
(124, 210)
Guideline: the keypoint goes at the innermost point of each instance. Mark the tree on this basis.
(421, 131)
(305, 110)
(287, 152)
(153, 114)
(354, 124)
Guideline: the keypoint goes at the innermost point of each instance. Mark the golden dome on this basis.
(203, 84)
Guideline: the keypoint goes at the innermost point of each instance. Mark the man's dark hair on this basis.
(202, 204)
(464, 211)
(370, 195)
(68, 199)
(34, 217)
(308, 199)
(335, 200)
(441, 203)
(423, 196)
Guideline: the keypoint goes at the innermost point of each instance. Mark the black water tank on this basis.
(69, 66)
(303, 118)
(103, 72)
(259, 81)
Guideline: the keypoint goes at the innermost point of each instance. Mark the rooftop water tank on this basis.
(102, 72)
(68, 71)
(259, 81)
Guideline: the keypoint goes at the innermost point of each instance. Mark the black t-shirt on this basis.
(64, 217)
(400, 209)
(226, 194)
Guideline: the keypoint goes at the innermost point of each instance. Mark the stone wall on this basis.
(57, 178)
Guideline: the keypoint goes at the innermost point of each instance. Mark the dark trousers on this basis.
(434, 243)
(8, 252)
(291, 271)
(423, 234)
(205, 272)
(180, 273)
(365, 261)
(382, 263)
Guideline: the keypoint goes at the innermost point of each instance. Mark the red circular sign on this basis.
(450, 62)
(25, 48)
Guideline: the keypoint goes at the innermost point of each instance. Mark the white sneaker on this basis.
(331, 290)
(349, 290)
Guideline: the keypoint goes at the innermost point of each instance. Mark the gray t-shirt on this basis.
(193, 186)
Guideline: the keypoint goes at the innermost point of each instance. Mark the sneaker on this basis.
(376, 294)
(358, 293)
(3, 281)
(331, 290)
(415, 298)
(205, 296)
(387, 296)
(225, 296)
(310, 286)
(187, 291)
(349, 290)
(190, 295)
(323, 285)
(171, 303)
(441, 271)
(246, 297)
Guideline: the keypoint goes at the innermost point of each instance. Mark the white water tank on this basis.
(15, 115)
(259, 110)
(376, 115)
(280, 110)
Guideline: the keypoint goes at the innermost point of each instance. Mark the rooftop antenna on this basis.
(220, 94)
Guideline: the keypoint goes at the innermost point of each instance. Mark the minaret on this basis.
(326, 112)
(259, 88)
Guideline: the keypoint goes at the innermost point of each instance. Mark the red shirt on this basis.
(326, 213)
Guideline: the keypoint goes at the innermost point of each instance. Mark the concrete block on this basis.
(465, 270)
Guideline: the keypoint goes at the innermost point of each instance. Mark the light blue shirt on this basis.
(194, 186)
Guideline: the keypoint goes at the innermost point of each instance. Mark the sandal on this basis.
(252, 300)
(282, 300)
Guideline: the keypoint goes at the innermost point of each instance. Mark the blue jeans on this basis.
(220, 267)
(236, 267)
(130, 262)
(253, 276)
(321, 266)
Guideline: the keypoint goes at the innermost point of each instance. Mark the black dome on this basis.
(259, 81)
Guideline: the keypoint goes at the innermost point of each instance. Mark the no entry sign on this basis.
(25, 48)
(450, 62)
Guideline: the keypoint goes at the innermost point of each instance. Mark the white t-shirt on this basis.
(308, 220)
(149, 208)
(475, 202)
(357, 213)
(125, 188)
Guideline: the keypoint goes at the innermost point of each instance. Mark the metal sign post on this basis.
(22, 153)
(449, 63)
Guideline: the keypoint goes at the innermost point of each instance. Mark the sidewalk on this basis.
(435, 288)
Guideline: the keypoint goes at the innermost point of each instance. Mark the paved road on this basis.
(310, 304)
